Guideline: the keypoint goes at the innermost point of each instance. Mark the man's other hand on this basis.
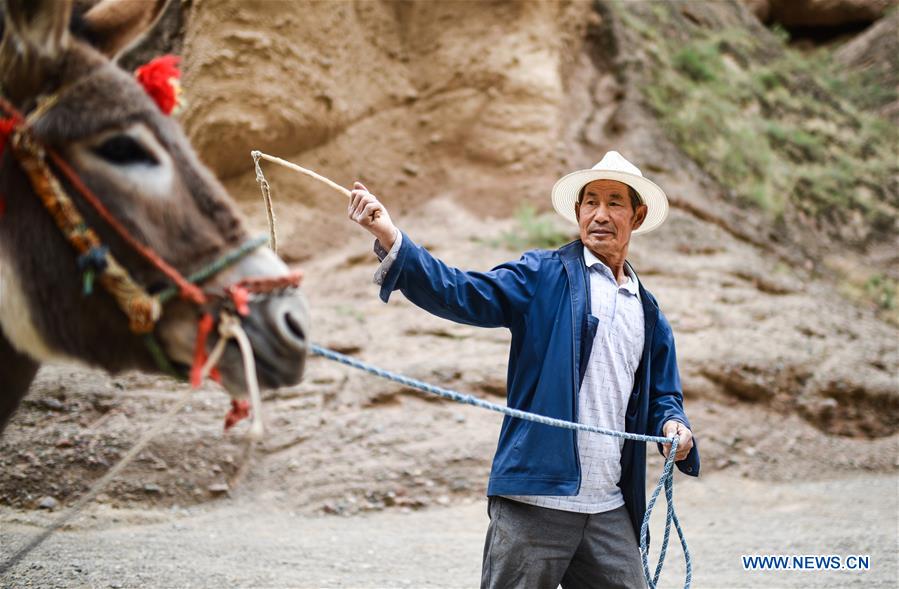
(684, 439)
(366, 210)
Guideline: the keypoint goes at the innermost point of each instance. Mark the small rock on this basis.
(65, 443)
(724, 463)
(331, 508)
(152, 488)
(410, 169)
(459, 485)
(48, 502)
(52, 404)
(105, 405)
(218, 488)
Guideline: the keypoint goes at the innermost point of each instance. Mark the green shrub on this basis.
(882, 290)
(699, 61)
(788, 131)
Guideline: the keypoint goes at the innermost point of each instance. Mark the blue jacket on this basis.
(543, 299)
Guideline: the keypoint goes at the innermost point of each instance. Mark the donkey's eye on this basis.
(125, 150)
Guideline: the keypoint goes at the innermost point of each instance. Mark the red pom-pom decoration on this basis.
(159, 78)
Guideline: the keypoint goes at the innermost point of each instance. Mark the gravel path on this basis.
(251, 542)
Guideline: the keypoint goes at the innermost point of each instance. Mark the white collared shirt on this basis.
(605, 391)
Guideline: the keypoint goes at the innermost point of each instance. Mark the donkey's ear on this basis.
(35, 36)
(116, 25)
(36, 28)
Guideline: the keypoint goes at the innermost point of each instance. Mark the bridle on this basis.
(44, 167)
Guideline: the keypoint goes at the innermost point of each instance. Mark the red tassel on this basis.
(240, 409)
(204, 327)
(159, 78)
(241, 298)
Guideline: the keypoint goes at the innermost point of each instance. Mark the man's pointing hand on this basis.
(366, 210)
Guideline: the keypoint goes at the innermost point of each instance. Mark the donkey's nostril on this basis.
(278, 327)
(288, 314)
(283, 322)
(294, 325)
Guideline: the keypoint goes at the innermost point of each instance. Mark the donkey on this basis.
(141, 166)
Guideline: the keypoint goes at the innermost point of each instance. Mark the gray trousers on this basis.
(533, 547)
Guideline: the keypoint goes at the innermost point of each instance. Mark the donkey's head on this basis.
(58, 61)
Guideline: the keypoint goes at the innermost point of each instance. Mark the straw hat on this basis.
(613, 166)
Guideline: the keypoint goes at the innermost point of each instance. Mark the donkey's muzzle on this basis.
(289, 318)
(277, 326)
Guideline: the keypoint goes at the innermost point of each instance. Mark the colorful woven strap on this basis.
(142, 309)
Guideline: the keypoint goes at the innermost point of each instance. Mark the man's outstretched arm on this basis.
(486, 299)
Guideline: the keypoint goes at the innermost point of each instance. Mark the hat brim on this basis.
(566, 190)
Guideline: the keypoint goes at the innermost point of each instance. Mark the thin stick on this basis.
(267, 198)
(258, 154)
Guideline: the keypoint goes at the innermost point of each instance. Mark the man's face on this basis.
(606, 217)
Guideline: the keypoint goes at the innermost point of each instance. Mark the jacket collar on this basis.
(633, 283)
(572, 256)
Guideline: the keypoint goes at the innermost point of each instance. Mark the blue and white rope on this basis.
(666, 480)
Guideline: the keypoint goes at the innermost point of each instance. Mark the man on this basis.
(589, 344)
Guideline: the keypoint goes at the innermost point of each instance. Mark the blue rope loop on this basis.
(91, 263)
(666, 480)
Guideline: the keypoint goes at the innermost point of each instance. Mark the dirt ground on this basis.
(252, 541)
